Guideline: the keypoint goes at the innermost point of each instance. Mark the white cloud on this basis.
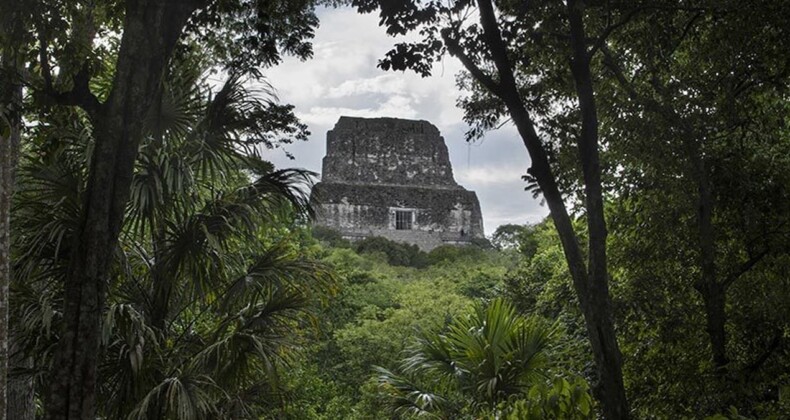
(388, 83)
(491, 174)
(395, 106)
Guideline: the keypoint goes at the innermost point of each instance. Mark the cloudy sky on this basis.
(342, 79)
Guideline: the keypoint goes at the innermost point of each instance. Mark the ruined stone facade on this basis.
(392, 177)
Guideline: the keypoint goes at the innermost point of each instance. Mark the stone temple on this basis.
(392, 178)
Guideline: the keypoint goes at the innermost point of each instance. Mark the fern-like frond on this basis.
(180, 397)
(406, 397)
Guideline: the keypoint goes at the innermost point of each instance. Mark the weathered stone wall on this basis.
(350, 206)
(387, 151)
(375, 167)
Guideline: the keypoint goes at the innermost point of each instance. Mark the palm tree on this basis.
(477, 361)
(209, 284)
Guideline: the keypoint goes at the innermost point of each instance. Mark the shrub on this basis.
(330, 237)
(397, 254)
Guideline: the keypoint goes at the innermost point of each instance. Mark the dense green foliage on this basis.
(397, 254)
(386, 318)
(209, 286)
(373, 320)
(487, 356)
(100, 67)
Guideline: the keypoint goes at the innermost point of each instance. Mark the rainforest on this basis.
(158, 261)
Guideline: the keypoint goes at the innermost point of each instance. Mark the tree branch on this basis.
(745, 267)
(666, 112)
(610, 29)
(80, 95)
(455, 49)
(775, 343)
(497, 47)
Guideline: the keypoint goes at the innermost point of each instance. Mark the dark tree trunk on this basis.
(713, 292)
(598, 316)
(590, 280)
(151, 29)
(21, 393)
(10, 135)
(715, 299)
(591, 287)
(712, 289)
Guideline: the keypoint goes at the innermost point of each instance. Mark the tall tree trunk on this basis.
(16, 395)
(21, 393)
(590, 280)
(151, 29)
(10, 134)
(715, 299)
(712, 290)
(591, 286)
(600, 326)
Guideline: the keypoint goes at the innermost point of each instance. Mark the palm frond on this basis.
(432, 352)
(281, 268)
(504, 350)
(408, 398)
(181, 397)
(489, 355)
(163, 184)
(289, 186)
(252, 340)
(131, 348)
(218, 141)
(47, 207)
(181, 102)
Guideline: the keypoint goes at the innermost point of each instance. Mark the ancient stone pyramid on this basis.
(392, 177)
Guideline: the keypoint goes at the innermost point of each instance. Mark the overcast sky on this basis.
(342, 79)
